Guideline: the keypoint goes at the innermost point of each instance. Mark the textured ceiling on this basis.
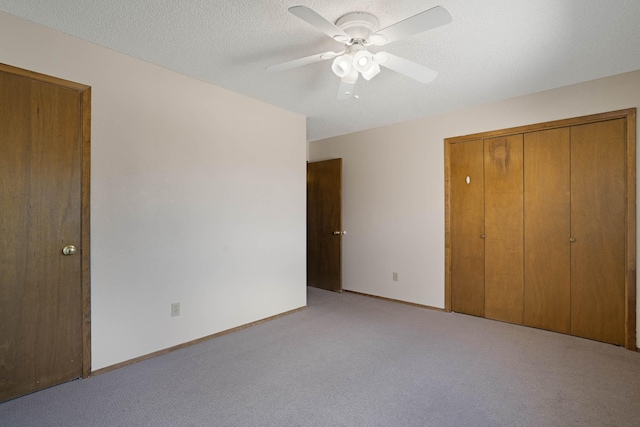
(493, 49)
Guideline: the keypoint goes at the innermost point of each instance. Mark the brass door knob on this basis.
(482, 236)
(69, 250)
(572, 239)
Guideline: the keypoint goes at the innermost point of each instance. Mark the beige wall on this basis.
(393, 184)
(197, 197)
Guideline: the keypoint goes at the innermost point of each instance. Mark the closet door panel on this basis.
(547, 229)
(504, 244)
(598, 188)
(467, 225)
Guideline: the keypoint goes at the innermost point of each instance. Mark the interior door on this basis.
(598, 225)
(41, 315)
(324, 224)
(504, 242)
(467, 228)
(547, 229)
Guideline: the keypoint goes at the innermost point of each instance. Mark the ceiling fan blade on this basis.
(313, 18)
(346, 89)
(423, 21)
(302, 61)
(406, 67)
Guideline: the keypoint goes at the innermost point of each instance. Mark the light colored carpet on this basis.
(350, 360)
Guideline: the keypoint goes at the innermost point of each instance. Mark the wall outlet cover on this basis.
(175, 309)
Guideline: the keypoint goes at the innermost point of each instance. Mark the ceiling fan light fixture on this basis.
(342, 65)
(351, 77)
(363, 61)
(372, 71)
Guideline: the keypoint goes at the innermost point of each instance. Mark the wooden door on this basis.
(504, 245)
(467, 228)
(598, 225)
(547, 229)
(41, 290)
(324, 224)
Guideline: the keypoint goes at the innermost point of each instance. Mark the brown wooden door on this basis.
(547, 229)
(504, 244)
(467, 228)
(40, 288)
(324, 224)
(598, 225)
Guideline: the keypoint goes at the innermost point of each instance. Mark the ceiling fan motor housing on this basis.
(359, 25)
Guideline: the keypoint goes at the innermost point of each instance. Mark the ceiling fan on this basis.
(359, 30)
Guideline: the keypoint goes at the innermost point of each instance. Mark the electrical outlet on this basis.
(395, 276)
(175, 309)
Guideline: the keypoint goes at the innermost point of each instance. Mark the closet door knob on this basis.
(482, 236)
(572, 239)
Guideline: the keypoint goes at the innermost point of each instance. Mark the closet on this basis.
(541, 226)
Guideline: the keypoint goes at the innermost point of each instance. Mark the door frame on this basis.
(630, 244)
(85, 96)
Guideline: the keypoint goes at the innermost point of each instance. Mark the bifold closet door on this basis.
(598, 225)
(504, 242)
(467, 228)
(547, 229)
